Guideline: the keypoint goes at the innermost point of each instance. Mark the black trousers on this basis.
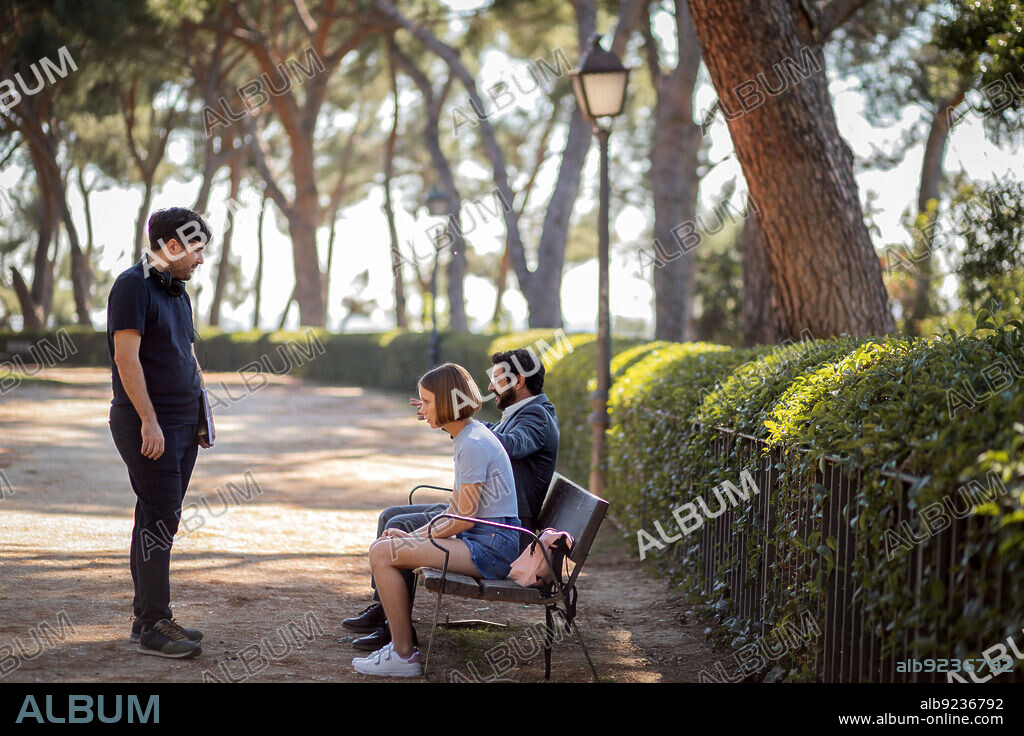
(159, 487)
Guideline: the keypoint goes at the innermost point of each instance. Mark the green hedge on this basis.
(948, 410)
(653, 405)
(82, 346)
(391, 360)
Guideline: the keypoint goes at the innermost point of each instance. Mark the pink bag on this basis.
(531, 570)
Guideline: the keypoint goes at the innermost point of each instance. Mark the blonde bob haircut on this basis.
(455, 392)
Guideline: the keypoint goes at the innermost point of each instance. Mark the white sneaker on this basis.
(386, 662)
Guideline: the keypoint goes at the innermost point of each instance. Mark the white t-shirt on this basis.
(480, 458)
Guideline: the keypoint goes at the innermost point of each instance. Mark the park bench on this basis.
(567, 507)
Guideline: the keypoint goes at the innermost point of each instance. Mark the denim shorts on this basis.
(492, 548)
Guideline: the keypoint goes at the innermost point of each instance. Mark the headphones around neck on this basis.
(174, 287)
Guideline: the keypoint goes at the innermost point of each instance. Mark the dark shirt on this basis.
(138, 302)
(530, 437)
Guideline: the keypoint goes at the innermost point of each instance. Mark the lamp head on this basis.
(599, 82)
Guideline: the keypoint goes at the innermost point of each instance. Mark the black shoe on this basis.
(370, 619)
(379, 638)
(164, 639)
(190, 634)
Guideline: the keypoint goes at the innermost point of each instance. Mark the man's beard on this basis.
(506, 398)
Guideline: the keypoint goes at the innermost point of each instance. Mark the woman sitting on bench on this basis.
(484, 488)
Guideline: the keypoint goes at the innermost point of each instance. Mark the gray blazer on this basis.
(530, 438)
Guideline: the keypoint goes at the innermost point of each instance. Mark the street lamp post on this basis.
(437, 205)
(599, 83)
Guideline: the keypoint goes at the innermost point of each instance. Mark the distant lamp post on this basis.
(437, 205)
(599, 83)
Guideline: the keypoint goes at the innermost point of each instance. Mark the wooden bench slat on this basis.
(509, 590)
(489, 590)
(454, 584)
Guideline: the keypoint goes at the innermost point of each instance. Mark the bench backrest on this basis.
(571, 508)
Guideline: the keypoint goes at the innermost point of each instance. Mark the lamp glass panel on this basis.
(605, 92)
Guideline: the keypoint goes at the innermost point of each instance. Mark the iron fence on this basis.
(756, 575)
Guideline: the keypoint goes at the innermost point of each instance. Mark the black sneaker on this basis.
(165, 639)
(369, 619)
(191, 634)
(381, 637)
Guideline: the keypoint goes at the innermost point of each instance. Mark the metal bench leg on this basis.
(549, 635)
(433, 626)
(586, 654)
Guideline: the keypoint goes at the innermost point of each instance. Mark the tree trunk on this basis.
(90, 237)
(284, 312)
(543, 291)
(197, 300)
(543, 288)
(43, 263)
(32, 316)
(401, 316)
(674, 184)
(298, 118)
(303, 219)
(455, 243)
(488, 137)
(500, 282)
(208, 75)
(224, 264)
(928, 208)
(797, 167)
(79, 271)
(457, 266)
(154, 151)
(758, 309)
(541, 155)
(43, 147)
(141, 239)
(308, 294)
(206, 182)
(258, 286)
(37, 303)
(80, 277)
(326, 286)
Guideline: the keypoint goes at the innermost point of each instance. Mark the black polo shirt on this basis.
(138, 302)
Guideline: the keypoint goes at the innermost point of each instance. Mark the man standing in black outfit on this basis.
(157, 384)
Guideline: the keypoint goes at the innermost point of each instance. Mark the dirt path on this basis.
(273, 554)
